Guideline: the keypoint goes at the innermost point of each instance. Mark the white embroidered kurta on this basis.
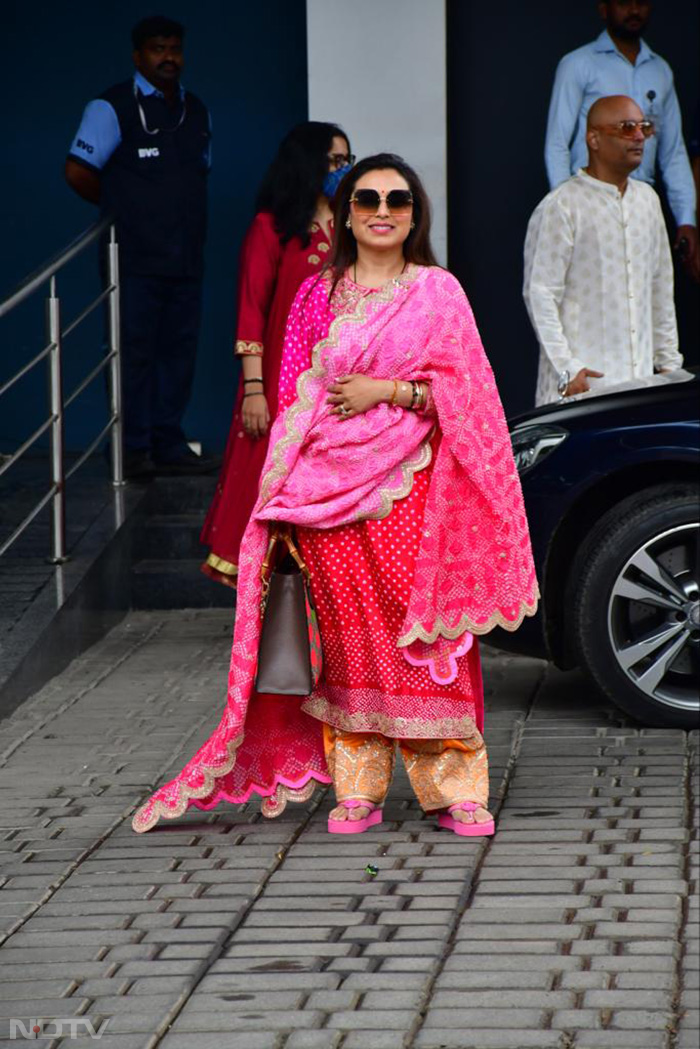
(599, 284)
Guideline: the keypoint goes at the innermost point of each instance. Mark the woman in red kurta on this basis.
(288, 241)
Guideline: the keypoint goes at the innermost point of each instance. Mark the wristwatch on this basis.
(563, 381)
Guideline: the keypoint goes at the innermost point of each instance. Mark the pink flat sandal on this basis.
(470, 830)
(356, 826)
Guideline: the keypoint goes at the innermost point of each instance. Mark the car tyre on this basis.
(610, 627)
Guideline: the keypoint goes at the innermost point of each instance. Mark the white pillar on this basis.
(378, 68)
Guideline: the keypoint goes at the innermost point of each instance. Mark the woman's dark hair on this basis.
(294, 180)
(155, 25)
(416, 248)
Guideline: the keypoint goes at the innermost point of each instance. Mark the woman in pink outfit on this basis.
(391, 458)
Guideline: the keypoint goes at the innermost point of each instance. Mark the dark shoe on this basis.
(138, 466)
(187, 464)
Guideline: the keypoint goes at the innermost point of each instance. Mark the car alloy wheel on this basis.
(654, 618)
(633, 609)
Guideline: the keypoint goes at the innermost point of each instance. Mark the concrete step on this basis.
(159, 584)
(165, 536)
(181, 495)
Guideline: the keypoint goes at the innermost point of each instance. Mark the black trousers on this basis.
(160, 319)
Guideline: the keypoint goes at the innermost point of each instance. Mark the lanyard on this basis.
(156, 130)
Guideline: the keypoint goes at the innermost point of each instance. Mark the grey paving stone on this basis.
(576, 1020)
(520, 931)
(178, 935)
(506, 946)
(13, 990)
(484, 1018)
(334, 1001)
(378, 1039)
(46, 924)
(367, 1020)
(610, 1039)
(351, 965)
(499, 1000)
(628, 963)
(472, 980)
(632, 930)
(315, 1040)
(127, 952)
(487, 1039)
(51, 940)
(381, 980)
(653, 947)
(247, 1001)
(201, 1022)
(223, 1040)
(274, 951)
(492, 971)
(106, 987)
(408, 1000)
(232, 983)
(640, 1020)
(47, 1008)
(51, 970)
(409, 948)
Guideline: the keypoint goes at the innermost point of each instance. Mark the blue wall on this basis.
(246, 61)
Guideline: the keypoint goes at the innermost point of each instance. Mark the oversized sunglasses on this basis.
(628, 128)
(367, 201)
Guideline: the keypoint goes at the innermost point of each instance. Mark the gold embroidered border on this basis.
(304, 401)
(248, 349)
(388, 496)
(418, 631)
(395, 728)
(186, 794)
(221, 565)
(277, 803)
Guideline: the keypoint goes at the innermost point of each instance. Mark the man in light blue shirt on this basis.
(141, 153)
(619, 62)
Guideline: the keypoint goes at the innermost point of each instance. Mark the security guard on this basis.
(142, 152)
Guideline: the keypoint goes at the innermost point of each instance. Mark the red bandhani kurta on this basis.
(270, 275)
(361, 578)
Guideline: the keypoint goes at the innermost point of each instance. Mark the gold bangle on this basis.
(395, 394)
(248, 349)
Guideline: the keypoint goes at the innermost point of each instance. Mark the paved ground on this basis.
(572, 928)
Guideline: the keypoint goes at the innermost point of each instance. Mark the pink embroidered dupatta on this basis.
(474, 569)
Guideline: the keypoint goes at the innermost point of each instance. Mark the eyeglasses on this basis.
(628, 128)
(341, 160)
(367, 201)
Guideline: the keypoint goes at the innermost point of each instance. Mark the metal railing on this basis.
(52, 352)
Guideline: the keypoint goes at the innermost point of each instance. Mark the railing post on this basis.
(58, 503)
(115, 364)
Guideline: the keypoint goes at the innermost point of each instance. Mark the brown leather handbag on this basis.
(289, 655)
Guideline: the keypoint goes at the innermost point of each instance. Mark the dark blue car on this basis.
(612, 496)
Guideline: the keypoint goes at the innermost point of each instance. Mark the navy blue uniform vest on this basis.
(156, 185)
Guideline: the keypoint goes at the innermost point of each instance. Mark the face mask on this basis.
(333, 180)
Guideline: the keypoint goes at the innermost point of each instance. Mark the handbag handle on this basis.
(278, 535)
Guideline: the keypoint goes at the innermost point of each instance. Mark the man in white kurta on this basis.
(598, 271)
